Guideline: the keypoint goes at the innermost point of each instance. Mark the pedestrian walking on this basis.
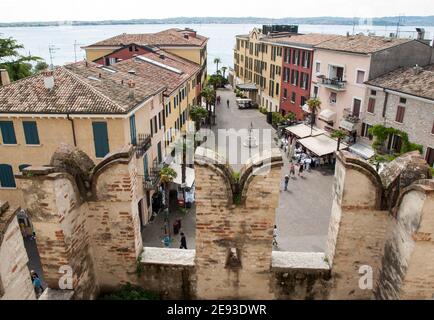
(300, 169)
(274, 236)
(227, 101)
(218, 99)
(292, 169)
(183, 241)
(286, 182)
(37, 283)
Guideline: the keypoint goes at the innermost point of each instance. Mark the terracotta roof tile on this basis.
(361, 43)
(170, 37)
(405, 80)
(79, 88)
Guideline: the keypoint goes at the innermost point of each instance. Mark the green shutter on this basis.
(100, 138)
(7, 179)
(8, 132)
(133, 130)
(31, 132)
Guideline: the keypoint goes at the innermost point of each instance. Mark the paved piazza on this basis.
(304, 210)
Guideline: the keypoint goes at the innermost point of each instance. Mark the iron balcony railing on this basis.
(350, 116)
(333, 83)
(143, 143)
(152, 180)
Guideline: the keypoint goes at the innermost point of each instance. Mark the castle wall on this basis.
(15, 283)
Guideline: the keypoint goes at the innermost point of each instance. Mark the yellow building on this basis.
(95, 108)
(185, 43)
(260, 62)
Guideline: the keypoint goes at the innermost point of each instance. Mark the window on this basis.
(317, 67)
(145, 166)
(365, 131)
(100, 139)
(8, 132)
(400, 114)
(315, 91)
(160, 157)
(360, 76)
(402, 100)
(155, 125)
(371, 105)
(373, 93)
(285, 95)
(159, 120)
(133, 132)
(7, 179)
(304, 80)
(333, 97)
(357, 103)
(293, 97)
(152, 127)
(31, 132)
(277, 89)
(306, 59)
(302, 101)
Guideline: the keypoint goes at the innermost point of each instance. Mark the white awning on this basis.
(189, 175)
(305, 108)
(322, 145)
(303, 131)
(327, 115)
(363, 150)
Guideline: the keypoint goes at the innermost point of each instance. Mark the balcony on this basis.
(334, 84)
(152, 181)
(144, 142)
(349, 121)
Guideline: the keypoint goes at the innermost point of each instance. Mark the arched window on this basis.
(7, 179)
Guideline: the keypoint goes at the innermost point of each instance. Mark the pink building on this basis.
(343, 64)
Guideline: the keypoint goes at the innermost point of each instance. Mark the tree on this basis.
(314, 105)
(338, 134)
(17, 65)
(197, 113)
(40, 66)
(217, 61)
(209, 94)
(167, 175)
(224, 71)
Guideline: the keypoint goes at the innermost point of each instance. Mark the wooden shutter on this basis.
(8, 132)
(7, 179)
(371, 105)
(133, 130)
(400, 114)
(31, 132)
(100, 138)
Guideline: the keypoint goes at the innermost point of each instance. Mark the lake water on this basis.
(222, 37)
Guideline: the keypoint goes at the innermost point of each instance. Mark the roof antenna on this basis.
(52, 49)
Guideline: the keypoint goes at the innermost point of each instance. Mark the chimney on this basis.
(131, 85)
(162, 56)
(417, 69)
(48, 79)
(4, 77)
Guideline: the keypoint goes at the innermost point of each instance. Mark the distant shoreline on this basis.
(381, 21)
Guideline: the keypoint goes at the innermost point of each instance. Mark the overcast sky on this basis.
(55, 10)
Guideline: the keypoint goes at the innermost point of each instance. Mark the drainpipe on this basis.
(386, 98)
(73, 129)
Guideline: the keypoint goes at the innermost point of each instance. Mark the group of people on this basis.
(218, 101)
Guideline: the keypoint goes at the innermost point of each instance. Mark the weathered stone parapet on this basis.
(15, 283)
(407, 271)
(234, 238)
(86, 218)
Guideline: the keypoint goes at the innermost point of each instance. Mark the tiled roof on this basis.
(405, 80)
(170, 71)
(170, 37)
(361, 43)
(308, 39)
(78, 88)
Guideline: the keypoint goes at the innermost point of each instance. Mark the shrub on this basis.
(130, 292)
